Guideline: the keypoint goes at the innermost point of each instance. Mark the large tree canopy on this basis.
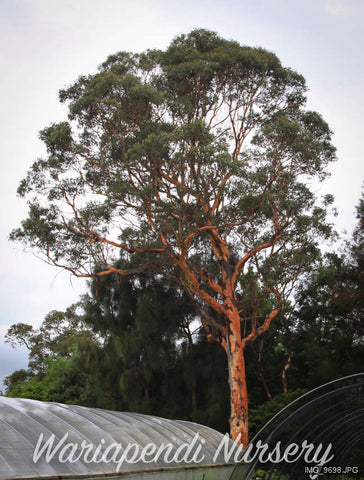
(193, 163)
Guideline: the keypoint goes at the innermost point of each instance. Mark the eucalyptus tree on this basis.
(195, 164)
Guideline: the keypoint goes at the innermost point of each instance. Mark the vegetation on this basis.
(191, 166)
(139, 346)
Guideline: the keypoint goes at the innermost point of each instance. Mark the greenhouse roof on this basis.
(81, 441)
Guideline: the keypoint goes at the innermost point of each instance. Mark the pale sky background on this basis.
(47, 44)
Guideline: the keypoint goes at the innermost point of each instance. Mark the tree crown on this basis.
(193, 162)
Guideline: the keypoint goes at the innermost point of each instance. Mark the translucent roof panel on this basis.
(42, 439)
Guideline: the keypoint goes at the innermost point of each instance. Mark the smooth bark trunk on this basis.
(239, 427)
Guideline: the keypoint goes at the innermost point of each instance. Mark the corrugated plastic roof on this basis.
(23, 421)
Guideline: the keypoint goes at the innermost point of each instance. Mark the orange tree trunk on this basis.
(239, 427)
(234, 344)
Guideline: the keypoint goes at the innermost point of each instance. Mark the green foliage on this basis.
(16, 378)
(59, 335)
(189, 171)
(56, 368)
(142, 355)
(163, 145)
(329, 339)
(63, 381)
(150, 357)
(261, 415)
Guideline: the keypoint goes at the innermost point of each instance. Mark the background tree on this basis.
(63, 380)
(141, 322)
(57, 336)
(194, 161)
(330, 328)
(154, 352)
(148, 355)
(56, 358)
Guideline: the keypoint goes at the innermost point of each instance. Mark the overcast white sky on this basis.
(47, 44)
